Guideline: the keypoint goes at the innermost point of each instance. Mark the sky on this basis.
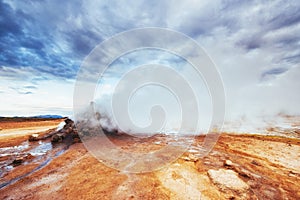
(255, 46)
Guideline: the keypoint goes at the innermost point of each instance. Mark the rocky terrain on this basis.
(238, 167)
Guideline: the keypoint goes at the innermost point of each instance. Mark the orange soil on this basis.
(13, 123)
(270, 166)
(25, 128)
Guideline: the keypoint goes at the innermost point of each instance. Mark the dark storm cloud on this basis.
(255, 44)
(251, 43)
(31, 43)
(26, 44)
(55, 39)
(83, 41)
(50, 40)
(8, 22)
(289, 15)
(271, 26)
(274, 71)
(293, 59)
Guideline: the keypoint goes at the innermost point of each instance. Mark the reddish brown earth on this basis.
(14, 123)
(238, 167)
(13, 131)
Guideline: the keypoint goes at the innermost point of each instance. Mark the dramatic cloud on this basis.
(255, 45)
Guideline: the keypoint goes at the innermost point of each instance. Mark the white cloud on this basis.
(245, 39)
(49, 97)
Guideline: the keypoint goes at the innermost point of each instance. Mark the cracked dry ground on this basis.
(238, 167)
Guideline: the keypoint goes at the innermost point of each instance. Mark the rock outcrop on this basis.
(68, 133)
(227, 179)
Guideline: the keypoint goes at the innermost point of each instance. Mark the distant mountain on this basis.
(38, 116)
(32, 118)
(48, 116)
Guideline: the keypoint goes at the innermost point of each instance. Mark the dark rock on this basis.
(57, 138)
(68, 121)
(18, 161)
(254, 162)
(293, 174)
(29, 156)
(68, 133)
(33, 137)
(76, 140)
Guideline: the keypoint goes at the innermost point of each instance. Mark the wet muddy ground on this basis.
(238, 167)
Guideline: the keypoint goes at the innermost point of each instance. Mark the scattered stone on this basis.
(247, 174)
(227, 179)
(293, 174)
(244, 173)
(193, 158)
(228, 163)
(186, 158)
(18, 161)
(190, 157)
(29, 156)
(270, 192)
(57, 138)
(253, 184)
(254, 162)
(34, 137)
(207, 162)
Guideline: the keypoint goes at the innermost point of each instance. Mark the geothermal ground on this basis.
(238, 167)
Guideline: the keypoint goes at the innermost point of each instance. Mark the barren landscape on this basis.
(239, 167)
(149, 100)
